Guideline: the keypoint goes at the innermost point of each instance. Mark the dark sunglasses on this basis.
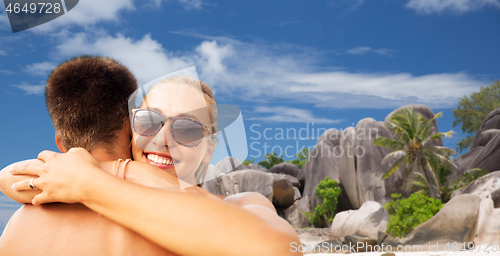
(185, 131)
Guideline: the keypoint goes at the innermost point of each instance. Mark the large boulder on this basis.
(295, 182)
(302, 176)
(294, 216)
(360, 165)
(426, 113)
(322, 162)
(486, 136)
(455, 222)
(492, 121)
(285, 168)
(488, 157)
(488, 223)
(230, 164)
(283, 191)
(369, 167)
(253, 181)
(366, 221)
(254, 167)
(347, 166)
(222, 185)
(487, 186)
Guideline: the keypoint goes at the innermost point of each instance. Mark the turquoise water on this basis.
(7, 208)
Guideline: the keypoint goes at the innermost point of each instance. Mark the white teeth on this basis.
(159, 159)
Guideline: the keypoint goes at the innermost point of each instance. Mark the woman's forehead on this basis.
(175, 99)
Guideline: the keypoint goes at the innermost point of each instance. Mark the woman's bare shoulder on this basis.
(250, 198)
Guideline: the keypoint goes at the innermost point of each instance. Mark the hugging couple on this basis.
(91, 199)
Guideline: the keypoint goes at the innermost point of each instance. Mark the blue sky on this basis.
(284, 63)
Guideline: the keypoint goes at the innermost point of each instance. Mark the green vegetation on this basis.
(406, 214)
(271, 160)
(301, 158)
(413, 150)
(472, 110)
(442, 173)
(464, 180)
(328, 191)
(248, 162)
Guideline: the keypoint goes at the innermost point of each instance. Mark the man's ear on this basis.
(60, 145)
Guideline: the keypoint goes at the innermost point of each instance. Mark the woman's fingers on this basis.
(28, 168)
(40, 199)
(47, 155)
(24, 185)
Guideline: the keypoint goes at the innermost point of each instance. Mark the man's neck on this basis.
(104, 154)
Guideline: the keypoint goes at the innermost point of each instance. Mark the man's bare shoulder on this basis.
(250, 198)
(70, 229)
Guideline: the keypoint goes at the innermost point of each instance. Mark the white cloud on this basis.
(458, 6)
(374, 90)
(41, 68)
(31, 89)
(290, 115)
(212, 56)
(359, 50)
(187, 4)
(191, 4)
(145, 57)
(8, 72)
(3, 53)
(261, 73)
(87, 13)
(365, 49)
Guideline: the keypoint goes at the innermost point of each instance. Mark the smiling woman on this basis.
(174, 127)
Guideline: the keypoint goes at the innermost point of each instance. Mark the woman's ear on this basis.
(60, 145)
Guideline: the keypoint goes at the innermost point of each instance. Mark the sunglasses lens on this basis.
(187, 132)
(147, 122)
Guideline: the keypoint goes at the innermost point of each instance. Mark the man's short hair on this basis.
(87, 99)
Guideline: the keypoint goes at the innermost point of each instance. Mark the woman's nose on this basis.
(160, 140)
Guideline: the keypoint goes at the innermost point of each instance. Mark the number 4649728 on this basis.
(34, 8)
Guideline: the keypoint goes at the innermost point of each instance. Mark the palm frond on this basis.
(466, 178)
(388, 143)
(394, 155)
(394, 168)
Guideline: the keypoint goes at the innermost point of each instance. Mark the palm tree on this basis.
(248, 162)
(301, 158)
(413, 149)
(459, 183)
(271, 160)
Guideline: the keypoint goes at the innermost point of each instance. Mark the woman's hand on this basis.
(61, 178)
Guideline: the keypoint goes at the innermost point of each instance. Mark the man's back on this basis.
(70, 229)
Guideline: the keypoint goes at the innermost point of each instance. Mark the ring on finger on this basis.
(32, 186)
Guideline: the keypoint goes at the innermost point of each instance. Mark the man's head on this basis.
(87, 99)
